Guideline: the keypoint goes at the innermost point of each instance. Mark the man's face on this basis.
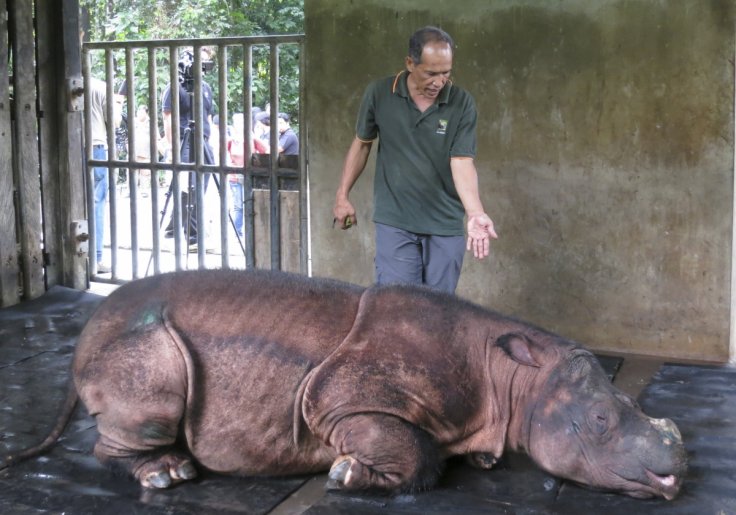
(432, 73)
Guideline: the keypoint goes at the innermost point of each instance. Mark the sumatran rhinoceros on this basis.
(257, 373)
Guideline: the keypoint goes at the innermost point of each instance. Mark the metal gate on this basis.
(145, 189)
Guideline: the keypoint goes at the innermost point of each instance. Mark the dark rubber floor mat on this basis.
(701, 400)
(37, 341)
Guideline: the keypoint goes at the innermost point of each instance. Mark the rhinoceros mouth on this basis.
(650, 485)
(666, 485)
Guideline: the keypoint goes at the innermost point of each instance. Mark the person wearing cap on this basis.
(186, 114)
(426, 183)
(261, 131)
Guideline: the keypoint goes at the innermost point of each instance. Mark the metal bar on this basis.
(175, 152)
(222, 154)
(153, 143)
(275, 204)
(248, 199)
(172, 43)
(197, 145)
(133, 173)
(112, 173)
(304, 236)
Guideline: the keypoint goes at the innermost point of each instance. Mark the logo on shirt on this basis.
(441, 126)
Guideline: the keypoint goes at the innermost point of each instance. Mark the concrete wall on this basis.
(606, 157)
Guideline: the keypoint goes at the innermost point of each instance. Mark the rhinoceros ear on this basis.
(519, 348)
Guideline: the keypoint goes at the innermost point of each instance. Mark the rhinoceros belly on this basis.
(242, 414)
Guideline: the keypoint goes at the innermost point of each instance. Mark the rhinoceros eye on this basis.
(599, 421)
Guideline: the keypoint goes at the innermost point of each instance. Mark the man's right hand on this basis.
(344, 213)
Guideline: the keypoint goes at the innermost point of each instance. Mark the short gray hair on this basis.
(426, 35)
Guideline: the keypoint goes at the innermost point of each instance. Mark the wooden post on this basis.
(9, 272)
(71, 145)
(26, 149)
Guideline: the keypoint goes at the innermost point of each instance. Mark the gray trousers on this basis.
(409, 258)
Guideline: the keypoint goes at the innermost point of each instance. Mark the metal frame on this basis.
(274, 171)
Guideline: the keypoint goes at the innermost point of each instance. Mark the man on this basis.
(186, 135)
(426, 181)
(99, 123)
(288, 140)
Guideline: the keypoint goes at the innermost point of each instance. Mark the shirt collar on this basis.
(400, 87)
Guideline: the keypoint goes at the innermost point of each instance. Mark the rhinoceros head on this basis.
(582, 428)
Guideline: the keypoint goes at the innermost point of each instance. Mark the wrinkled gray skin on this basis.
(255, 373)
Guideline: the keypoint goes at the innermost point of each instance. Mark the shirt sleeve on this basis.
(166, 100)
(366, 128)
(464, 143)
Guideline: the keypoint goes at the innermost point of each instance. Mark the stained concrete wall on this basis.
(606, 157)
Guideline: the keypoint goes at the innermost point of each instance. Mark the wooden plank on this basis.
(27, 172)
(9, 269)
(290, 231)
(48, 56)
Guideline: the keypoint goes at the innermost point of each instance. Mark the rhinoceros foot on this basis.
(481, 460)
(166, 471)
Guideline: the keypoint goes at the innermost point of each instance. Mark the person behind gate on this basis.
(99, 123)
(186, 114)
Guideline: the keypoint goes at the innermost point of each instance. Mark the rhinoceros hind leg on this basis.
(382, 452)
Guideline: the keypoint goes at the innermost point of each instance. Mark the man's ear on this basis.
(519, 348)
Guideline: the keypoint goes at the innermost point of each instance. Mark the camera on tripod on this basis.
(186, 72)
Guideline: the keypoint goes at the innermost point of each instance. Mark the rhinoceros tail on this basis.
(61, 421)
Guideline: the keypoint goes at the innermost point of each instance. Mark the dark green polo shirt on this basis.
(413, 187)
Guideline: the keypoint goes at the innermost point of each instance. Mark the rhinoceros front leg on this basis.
(382, 452)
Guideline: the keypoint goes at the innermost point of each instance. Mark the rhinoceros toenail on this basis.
(186, 471)
(159, 480)
(339, 472)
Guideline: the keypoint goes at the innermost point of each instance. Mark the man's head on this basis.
(283, 122)
(429, 61)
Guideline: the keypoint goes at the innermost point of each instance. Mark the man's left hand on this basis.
(480, 232)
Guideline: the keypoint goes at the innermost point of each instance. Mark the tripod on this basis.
(191, 207)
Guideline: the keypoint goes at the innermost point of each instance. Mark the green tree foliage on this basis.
(126, 20)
